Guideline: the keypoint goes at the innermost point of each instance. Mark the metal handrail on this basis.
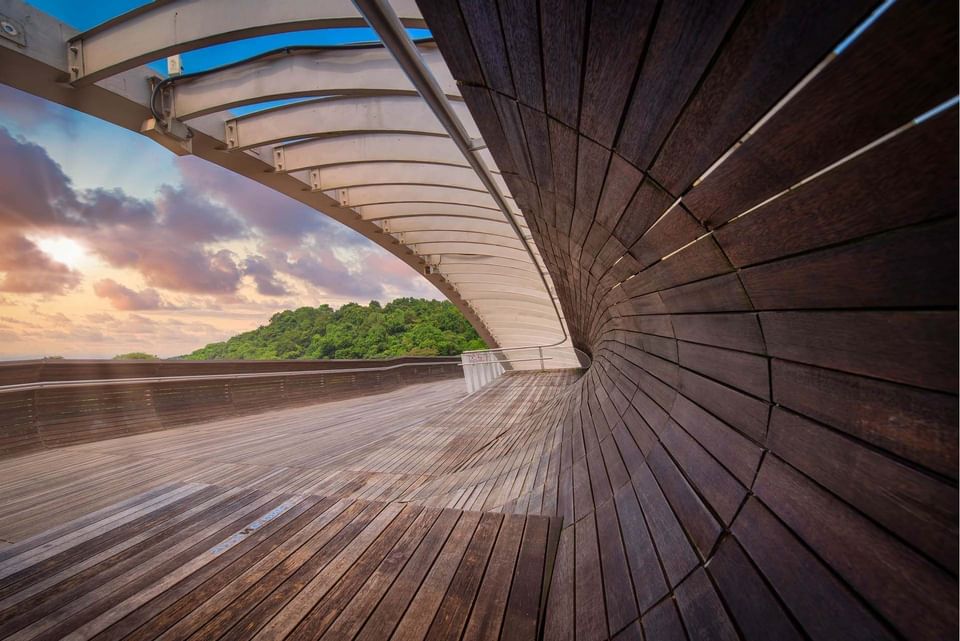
(20, 387)
(512, 360)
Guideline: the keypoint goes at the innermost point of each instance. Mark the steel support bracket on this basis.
(75, 59)
(230, 134)
(315, 184)
(174, 135)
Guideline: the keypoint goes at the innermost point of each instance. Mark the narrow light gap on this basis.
(830, 57)
(862, 150)
(863, 26)
(662, 216)
(680, 249)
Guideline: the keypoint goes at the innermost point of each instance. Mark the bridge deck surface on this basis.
(350, 519)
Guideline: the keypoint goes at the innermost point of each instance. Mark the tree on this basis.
(403, 326)
(136, 356)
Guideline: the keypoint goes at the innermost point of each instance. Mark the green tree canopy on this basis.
(405, 326)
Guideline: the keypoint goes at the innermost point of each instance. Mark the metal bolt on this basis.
(9, 28)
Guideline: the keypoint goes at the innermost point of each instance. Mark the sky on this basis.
(110, 244)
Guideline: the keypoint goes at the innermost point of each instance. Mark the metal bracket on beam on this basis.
(75, 59)
(315, 184)
(278, 162)
(169, 132)
(230, 134)
(173, 135)
(12, 30)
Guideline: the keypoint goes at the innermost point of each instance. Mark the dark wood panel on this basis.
(915, 506)
(685, 37)
(819, 602)
(617, 38)
(914, 267)
(562, 26)
(773, 45)
(894, 72)
(868, 559)
(755, 609)
(917, 425)
(916, 348)
(866, 195)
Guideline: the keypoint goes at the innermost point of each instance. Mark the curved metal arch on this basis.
(162, 29)
(454, 264)
(399, 210)
(479, 239)
(369, 148)
(448, 224)
(387, 194)
(513, 297)
(485, 281)
(334, 72)
(393, 173)
(458, 247)
(479, 291)
(340, 115)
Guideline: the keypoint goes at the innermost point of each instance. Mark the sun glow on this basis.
(63, 250)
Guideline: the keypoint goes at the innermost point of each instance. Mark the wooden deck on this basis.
(370, 518)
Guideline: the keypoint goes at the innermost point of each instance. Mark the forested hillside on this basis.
(405, 326)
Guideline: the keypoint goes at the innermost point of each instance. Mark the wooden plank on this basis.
(451, 616)
(703, 614)
(524, 610)
(919, 508)
(562, 26)
(915, 348)
(685, 37)
(487, 615)
(861, 197)
(761, 60)
(755, 609)
(617, 38)
(820, 603)
(917, 425)
(905, 268)
(663, 622)
(866, 92)
(863, 555)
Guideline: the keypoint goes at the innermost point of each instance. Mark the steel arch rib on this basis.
(300, 73)
(339, 115)
(165, 28)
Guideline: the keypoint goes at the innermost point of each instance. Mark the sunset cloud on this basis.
(127, 299)
(27, 270)
(177, 241)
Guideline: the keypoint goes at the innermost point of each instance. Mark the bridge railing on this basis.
(48, 404)
(480, 367)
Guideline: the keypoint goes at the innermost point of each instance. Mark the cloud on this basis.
(175, 240)
(27, 270)
(264, 276)
(124, 298)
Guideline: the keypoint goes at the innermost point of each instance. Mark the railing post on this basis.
(540, 349)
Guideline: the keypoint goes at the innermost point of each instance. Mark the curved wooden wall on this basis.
(766, 444)
(83, 405)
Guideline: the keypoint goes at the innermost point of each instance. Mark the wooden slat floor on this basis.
(196, 561)
(372, 518)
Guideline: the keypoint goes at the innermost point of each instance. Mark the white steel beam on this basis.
(301, 73)
(339, 115)
(372, 147)
(162, 29)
